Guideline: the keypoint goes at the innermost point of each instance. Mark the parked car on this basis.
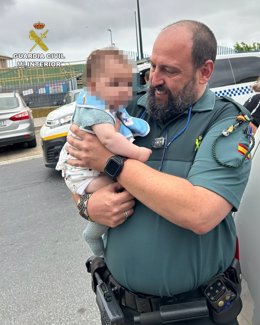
(232, 76)
(54, 131)
(248, 224)
(16, 121)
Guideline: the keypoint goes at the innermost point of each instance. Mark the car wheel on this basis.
(32, 143)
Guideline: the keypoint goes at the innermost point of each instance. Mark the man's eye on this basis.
(169, 70)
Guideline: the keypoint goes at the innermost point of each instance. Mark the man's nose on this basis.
(156, 78)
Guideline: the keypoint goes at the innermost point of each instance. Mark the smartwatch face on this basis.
(112, 168)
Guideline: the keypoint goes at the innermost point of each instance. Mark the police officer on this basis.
(171, 225)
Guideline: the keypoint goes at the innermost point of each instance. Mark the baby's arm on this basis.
(118, 144)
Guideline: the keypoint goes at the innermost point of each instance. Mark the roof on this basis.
(4, 57)
(239, 55)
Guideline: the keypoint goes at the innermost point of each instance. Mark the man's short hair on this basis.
(204, 42)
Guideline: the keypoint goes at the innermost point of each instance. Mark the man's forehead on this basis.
(170, 46)
(174, 35)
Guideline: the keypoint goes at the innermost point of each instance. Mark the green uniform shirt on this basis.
(151, 255)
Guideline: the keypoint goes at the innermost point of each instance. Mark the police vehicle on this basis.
(233, 76)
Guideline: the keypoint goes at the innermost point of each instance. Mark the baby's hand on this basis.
(144, 154)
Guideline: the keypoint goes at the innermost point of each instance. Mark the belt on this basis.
(143, 303)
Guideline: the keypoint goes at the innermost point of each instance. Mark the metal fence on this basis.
(225, 50)
(42, 86)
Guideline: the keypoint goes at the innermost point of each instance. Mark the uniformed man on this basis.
(180, 233)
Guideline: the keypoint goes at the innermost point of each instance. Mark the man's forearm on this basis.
(174, 198)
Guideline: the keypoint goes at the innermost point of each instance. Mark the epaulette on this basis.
(240, 107)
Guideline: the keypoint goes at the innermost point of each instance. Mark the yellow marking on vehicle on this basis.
(55, 136)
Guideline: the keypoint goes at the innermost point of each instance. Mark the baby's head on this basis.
(109, 76)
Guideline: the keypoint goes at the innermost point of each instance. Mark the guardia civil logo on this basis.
(38, 55)
(37, 38)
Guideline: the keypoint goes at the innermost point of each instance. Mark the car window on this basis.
(23, 102)
(68, 99)
(8, 103)
(222, 74)
(245, 69)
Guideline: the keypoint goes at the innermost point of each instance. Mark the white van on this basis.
(233, 76)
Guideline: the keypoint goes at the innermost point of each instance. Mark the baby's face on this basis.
(115, 85)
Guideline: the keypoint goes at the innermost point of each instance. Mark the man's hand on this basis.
(111, 205)
(86, 149)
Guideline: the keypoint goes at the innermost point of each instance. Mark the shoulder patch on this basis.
(243, 150)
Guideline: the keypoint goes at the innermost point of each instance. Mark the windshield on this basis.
(70, 97)
(8, 103)
(76, 96)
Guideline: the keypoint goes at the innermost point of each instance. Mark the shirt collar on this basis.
(206, 102)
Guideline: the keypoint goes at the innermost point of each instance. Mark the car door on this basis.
(248, 227)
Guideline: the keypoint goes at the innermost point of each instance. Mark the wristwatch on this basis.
(82, 205)
(114, 166)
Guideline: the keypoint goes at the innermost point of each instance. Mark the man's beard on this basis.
(176, 104)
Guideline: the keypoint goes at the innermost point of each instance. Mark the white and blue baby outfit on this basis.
(91, 110)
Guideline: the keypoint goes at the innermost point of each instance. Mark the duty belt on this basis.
(220, 297)
(139, 302)
(146, 303)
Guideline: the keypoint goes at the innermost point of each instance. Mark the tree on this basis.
(243, 47)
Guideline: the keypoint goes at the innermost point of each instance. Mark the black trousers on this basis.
(129, 319)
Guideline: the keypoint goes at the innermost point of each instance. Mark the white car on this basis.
(232, 77)
(54, 131)
(248, 225)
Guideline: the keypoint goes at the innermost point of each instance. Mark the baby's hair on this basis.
(96, 61)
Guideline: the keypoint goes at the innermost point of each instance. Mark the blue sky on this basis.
(77, 27)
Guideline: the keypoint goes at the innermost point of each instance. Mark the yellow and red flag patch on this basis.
(243, 150)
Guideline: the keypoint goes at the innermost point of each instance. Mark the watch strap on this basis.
(119, 161)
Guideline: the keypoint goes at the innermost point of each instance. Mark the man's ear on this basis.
(206, 71)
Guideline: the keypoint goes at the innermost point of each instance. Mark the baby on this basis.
(108, 90)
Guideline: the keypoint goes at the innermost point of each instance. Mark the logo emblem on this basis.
(38, 39)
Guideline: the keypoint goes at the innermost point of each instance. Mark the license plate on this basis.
(2, 123)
